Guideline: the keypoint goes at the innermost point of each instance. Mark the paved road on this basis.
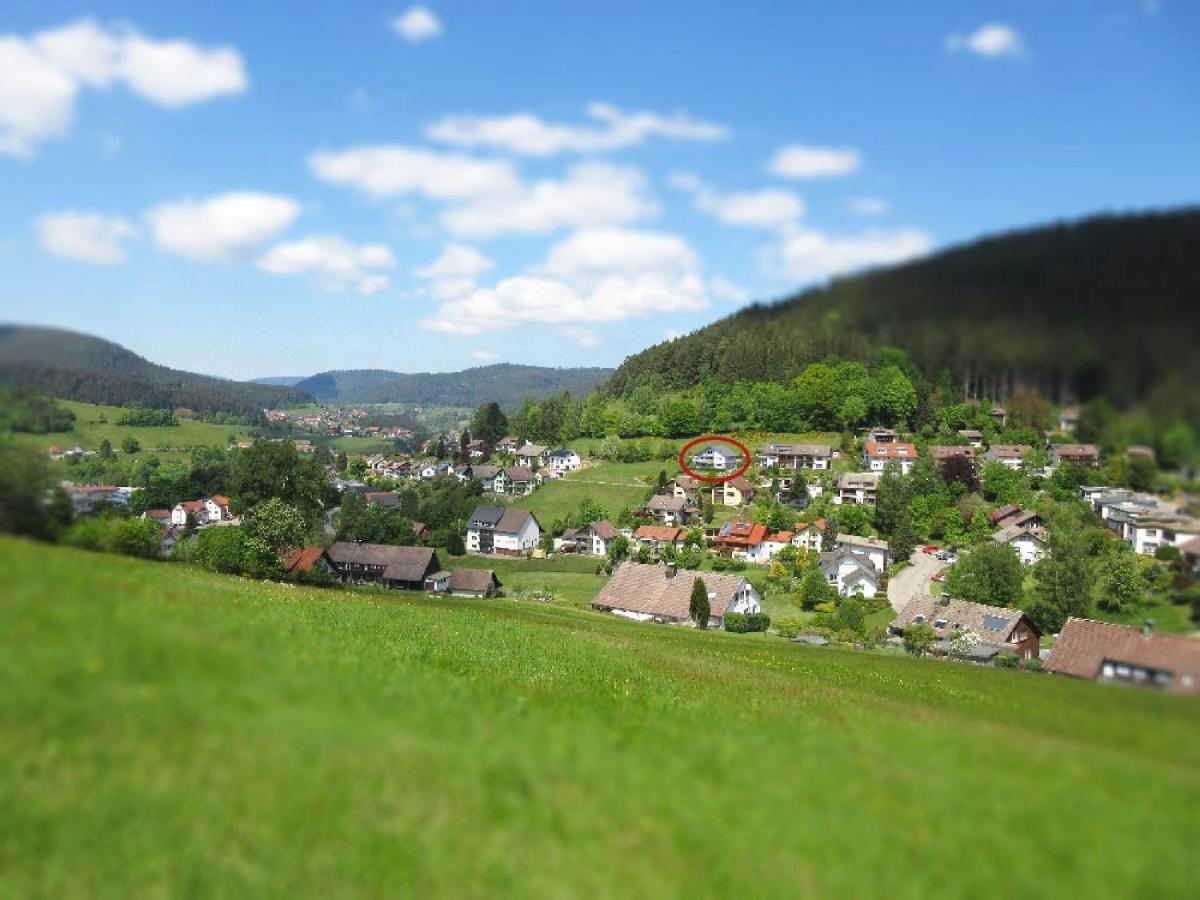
(914, 579)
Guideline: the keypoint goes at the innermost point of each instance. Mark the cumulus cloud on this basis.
(393, 170)
(222, 228)
(806, 255)
(526, 134)
(336, 263)
(582, 336)
(869, 206)
(454, 272)
(598, 276)
(89, 237)
(801, 161)
(724, 289)
(994, 40)
(416, 25)
(42, 75)
(485, 356)
(769, 208)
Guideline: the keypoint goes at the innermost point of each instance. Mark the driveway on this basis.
(914, 579)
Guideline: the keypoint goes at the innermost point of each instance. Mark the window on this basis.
(940, 623)
(918, 619)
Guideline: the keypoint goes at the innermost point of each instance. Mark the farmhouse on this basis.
(849, 573)
(718, 457)
(654, 593)
(734, 492)
(1118, 654)
(877, 454)
(1011, 455)
(857, 487)
(504, 532)
(796, 456)
(396, 567)
(999, 630)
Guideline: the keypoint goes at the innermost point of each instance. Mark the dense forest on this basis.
(505, 384)
(79, 367)
(1104, 306)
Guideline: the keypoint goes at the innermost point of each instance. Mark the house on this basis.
(84, 498)
(477, 449)
(809, 535)
(1118, 654)
(878, 454)
(507, 444)
(1140, 451)
(739, 540)
(774, 542)
(1086, 455)
(881, 435)
(718, 457)
(857, 487)
(532, 455)
(999, 415)
(850, 574)
(999, 630)
(504, 532)
(734, 492)
(394, 567)
(1149, 533)
(1000, 513)
(655, 593)
(473, 583)
(193, 508)
(686, 487)
(594, 538)
(873, 549)
(941, 452)
(1011, 455)
(383, 498)
(1030, 547)
(564, 461)
(796, 456)
(516, 480)
(161, 516)
(655, 537)
(216, 508)
(972, 437)
(485, 474)
(1068, 419)
(669, 510)
(303, 560)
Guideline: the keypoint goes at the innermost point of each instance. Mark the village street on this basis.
(914, 579)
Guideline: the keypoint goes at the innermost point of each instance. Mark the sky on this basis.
(284, 188)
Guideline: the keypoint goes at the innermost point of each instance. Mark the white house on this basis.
(857, 487)
(796, 456)
(718, 457)
(809, 535)
(504, 532)
(870, 548)
(668, 510)
(1011, 455)
(877, 454)
(1029, 546)
(593, 539)
(564, 460)
(533, 454)
(850, 573)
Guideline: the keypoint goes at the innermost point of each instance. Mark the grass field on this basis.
(570, 579)
(613, 485)
(89, 432)
(167, 731)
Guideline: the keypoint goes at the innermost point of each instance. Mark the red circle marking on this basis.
(709, 438)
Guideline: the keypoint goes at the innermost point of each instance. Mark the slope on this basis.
(179, 732)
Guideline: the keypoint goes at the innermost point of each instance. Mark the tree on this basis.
(222, 549)
(1122, 586)
(1064, 578)
(903, 539)
(698, 605)
(992, 575)
(814, 588)
(892, 497)
(455, 545)
(1002, 484)
(918, 639)
(137, 537)
(277, 470)
(106, 450)
(618, 548)
(130, 445)
(963, 642)
(274, 527)
(959, 469)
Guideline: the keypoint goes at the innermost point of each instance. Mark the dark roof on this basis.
(666, 502)
(488, 515)
(473, 580)
(385, 498)
(484, 472)
(514, 520)
(401, 563)
(993, 624)
(519, 473)
(1084, 645)
(605, 529)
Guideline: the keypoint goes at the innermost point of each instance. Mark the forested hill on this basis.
(80, 367)
(504, 383)
(1108, 304)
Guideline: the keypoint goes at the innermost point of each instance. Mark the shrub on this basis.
(1007, 661)
(758, 622)
(736, 622)
(789, 626)
(1031, 665)
(918, 639)
(1167, 553)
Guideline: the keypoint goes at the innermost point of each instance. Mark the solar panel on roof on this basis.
(995, 623)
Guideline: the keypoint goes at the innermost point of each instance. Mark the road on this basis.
(913, 579)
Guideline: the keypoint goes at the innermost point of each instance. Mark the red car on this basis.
(932, 548)
(940, 576)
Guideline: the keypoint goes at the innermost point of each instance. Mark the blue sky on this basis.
(307, 186)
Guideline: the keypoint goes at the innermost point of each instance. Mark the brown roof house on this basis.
(1118, 654)
(473, 583)
(734, 492)
(303, 560)
(593, 539)
(997, 629)
(669, 510)
(648, 593)
(502, 531)
(397, 567)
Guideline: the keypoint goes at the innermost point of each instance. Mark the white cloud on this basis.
(582, 336)
(588, 256)
(526, 134)
(770, 208)
(869, 206)
(724, 289)
(485, 356)
(41, 76)
(671, 334)
(993, 41)
(454, 272)
(418, 24)
(805, 255)
(336, 263)
(221, 228)
(392, 170)
(591, 195)
(801, 161)
(85, 236)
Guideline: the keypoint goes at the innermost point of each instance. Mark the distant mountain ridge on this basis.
(1106, 305)
(504, 383)
(77, 366)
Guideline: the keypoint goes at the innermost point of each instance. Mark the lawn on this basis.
(611, 484)
(89, 432)
(569, 579)
(166, 731)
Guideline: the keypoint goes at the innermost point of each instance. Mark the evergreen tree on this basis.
(699, 606)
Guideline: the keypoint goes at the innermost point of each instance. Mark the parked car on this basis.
(939, 576)
(932, 548)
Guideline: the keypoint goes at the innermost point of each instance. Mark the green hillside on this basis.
(1074, 309)
(503, 383)
(166, 731)
(80, 367)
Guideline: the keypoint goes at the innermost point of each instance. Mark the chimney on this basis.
(945, 601)
(671, 570)
(1147, 628)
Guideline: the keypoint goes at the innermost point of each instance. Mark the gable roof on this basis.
(514, 520)
(945, 451)
(1008, 451)
(519, 473)
(302, 559)
(481, 580)
(604, 529)
(400, 563)
(890, 449)
(742, 534)
(486, 515)
(993, 624)
(1010, 533)
(385, 498)
(742, 483)
(667, 533)
(483, 473)
(798, 449)
(832, 561)
(528, 449)
(648, 589)
(666, 503)
(1084, 645)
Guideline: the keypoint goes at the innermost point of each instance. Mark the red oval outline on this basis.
(715, 479)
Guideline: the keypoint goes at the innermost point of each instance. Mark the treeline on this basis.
(1103, 307)
(25, 410)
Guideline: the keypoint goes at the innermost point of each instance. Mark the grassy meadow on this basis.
(613, 485)
(168, 731)
(89, 431)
